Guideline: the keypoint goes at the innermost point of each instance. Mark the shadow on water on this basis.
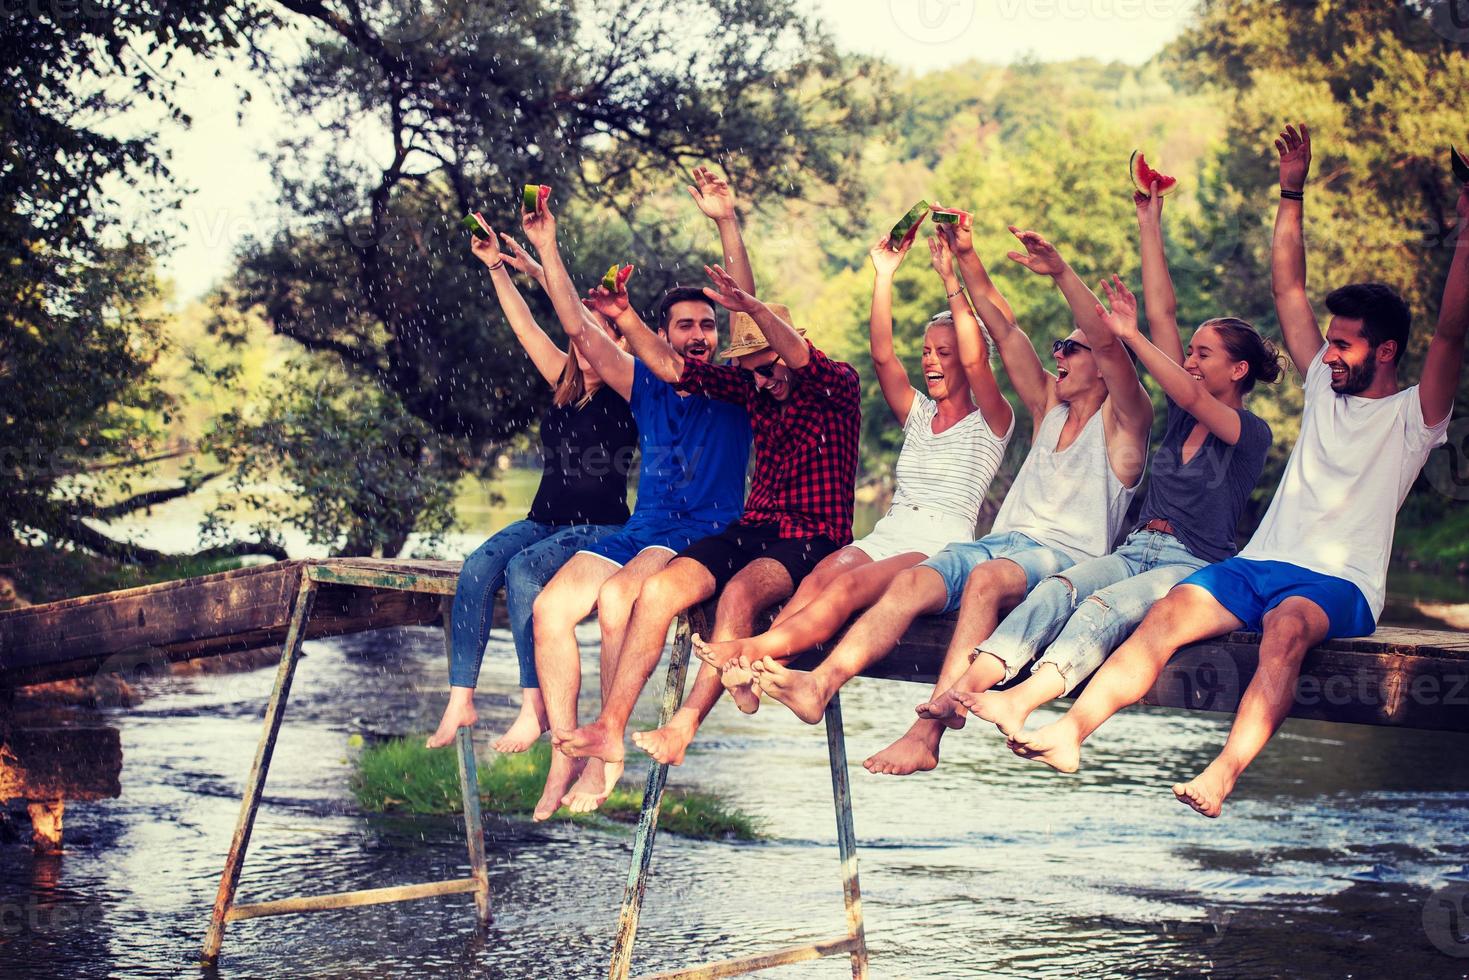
(1344, 851)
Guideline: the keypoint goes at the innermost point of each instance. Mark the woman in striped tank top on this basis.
(951, 450)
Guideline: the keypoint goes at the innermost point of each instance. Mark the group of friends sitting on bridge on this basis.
(1048, 586)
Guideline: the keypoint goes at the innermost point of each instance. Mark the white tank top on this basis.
(1069, 500)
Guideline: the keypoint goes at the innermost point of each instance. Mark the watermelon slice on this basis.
(533, 197)
(1461, 165)
(615, 281)
(946, 216)
(1144, 176)
(471, 224)
(906, 229)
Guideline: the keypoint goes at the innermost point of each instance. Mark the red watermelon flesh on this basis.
(1144, 176)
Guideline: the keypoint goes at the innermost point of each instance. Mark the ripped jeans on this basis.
(1081, 615)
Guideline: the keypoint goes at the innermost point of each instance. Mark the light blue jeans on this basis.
(522, 558)
(1085, 612)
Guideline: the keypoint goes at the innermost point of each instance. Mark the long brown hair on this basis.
(572, 387)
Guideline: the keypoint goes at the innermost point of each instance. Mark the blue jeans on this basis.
(1085, 612)
(523, 557)
(959, 559)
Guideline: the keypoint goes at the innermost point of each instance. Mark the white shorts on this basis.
(905, 529)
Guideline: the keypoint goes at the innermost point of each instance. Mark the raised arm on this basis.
(549, 359)
(613, 364)
(1159, 298)
(1445, 357)
(1130, 401)
(1187, 393)
(655, 352)
(781, 336)
(1298, 324)
(974, 350)
(897, 389)
(715, 198)
(1033, 383)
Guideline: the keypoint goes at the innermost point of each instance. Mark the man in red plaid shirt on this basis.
(805, 412)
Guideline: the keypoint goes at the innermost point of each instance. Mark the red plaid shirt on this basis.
(805, 446)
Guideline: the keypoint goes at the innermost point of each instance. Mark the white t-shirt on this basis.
(1069, 500)
(950, 472)
(1352, 465)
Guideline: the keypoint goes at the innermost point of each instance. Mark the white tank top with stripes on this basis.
(948, 473)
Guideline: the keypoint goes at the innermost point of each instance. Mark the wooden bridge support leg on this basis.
(256, 782)
(474, 828)
(642, 850)
(841, 792)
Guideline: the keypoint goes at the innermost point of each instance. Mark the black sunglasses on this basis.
(1068, 347)
(766, 371)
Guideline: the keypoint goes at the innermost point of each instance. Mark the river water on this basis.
(1343, 853)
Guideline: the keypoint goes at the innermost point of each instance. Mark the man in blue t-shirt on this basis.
(691, 484)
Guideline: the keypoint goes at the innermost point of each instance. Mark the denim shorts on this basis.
(1249, 589)
(672, 534)
(957, 560)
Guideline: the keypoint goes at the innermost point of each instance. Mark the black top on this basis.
(1204, 498)
(587, 453)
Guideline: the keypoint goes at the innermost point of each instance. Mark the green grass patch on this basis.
(401, 776)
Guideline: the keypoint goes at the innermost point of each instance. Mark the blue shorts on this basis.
(672, 534)
(1249, 589)
(957, 560)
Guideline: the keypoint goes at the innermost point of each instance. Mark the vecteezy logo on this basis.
(1446, 920)
(932, 21)
(1447, 468)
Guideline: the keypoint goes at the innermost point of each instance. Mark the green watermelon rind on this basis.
(1460, 165)
(471, 224)
(944, 216)
(530, 198)
(609, 281)
(907, 227)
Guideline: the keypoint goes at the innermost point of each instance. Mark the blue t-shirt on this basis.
(695, 451)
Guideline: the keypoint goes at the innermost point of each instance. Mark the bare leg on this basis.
(459, 713)
(528, 725)
(756, 587)
(1007, 710)
(563, 603)
(913, 593)
(666, 594)
(614, 610)
(1186, 615)
(828, 570)
(1291, 629)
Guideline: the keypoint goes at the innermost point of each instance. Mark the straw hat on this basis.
(746, 338)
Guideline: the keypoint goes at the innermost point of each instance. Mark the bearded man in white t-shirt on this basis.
(1317, 567)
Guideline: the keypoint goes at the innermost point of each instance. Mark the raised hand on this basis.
(485, 249)
(1150, 205)
(959, 237)
(885, 260)
(940, 257)
(518, 258)
(1040, 255)
(1122, 321)
(712, 194)
(606, 303)
(727, 293)
(1295, 157)
(540, 226)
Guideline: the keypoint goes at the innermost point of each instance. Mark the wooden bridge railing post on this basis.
(841, 794)
(474, 827)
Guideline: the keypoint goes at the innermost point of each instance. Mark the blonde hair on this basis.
(572, 387)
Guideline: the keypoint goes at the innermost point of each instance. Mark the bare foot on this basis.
(563, 772)
(916, 751)
(717, 654)
(739, 680)
(593, 787)
(526, 728)
(1057, 745)
(1207, 791)
(458, 714)
(595, 740)
(995, 707)
(669, 743)
(942, 708)
(796, 689)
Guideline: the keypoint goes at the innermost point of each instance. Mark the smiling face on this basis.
(781, 381)
(1354, 362)
(692, 330)
(1076, 373)
(943, 373)
(1207, 360)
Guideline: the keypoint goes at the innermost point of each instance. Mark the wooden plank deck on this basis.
(1411, 678)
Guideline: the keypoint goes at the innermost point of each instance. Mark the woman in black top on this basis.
(587, 442)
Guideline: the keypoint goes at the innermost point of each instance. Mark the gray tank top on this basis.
(1069, 500)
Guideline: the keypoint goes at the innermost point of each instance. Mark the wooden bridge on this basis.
(1396, 677)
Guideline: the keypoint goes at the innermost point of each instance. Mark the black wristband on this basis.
(1286, 195)
(497, 266)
